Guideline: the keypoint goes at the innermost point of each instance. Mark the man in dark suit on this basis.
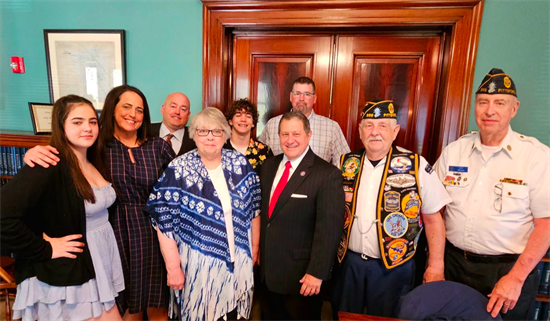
(175, 114)
(302, 218)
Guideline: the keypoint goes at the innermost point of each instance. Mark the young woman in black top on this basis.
(55, 219)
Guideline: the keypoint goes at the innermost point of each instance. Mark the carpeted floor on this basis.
(3, 308)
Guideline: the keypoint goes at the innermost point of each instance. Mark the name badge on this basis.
(459, 169)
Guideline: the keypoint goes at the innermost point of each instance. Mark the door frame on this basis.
(461, 17)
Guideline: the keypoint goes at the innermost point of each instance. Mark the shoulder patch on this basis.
(429, 169)
(403, 150)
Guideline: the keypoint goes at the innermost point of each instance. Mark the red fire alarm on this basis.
(17, 65)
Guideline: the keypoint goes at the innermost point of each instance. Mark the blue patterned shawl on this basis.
(185, 206)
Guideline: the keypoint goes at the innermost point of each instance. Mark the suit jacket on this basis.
(304, 230)
(186, 145)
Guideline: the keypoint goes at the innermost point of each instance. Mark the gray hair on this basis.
(296, 115)
(211, 116)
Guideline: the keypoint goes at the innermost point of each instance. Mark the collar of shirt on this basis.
(507, 144)
(293, 163)
(178, 134)
(310, 115)
(367, 162)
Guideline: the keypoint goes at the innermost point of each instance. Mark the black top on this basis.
(44, 200)
(187, 143)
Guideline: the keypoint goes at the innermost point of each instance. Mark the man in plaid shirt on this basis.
(327, 142)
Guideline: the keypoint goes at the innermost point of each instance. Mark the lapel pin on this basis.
(303, 173)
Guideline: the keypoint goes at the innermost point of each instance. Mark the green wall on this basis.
(515, 37)
(163, 48)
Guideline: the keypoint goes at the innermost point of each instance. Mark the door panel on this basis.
(378, 78)
(266, 66)
(273, 78)
(403, 69)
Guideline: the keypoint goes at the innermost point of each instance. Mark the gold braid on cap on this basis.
(374, 104)
(491, 77)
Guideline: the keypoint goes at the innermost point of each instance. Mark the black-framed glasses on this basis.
(497, 204)
(299, 93)
(215, 132)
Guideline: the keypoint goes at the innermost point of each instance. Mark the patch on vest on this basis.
(396, 250)
(411, 205)
(401, 165)
(350, 168)
(391, 201)
(396, 225)
(401, 180)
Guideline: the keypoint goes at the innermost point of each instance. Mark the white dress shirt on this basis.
(496, 197)
(176, 140)
(364, 231)
(280, 170)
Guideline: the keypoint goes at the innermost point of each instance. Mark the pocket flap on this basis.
(515, 190)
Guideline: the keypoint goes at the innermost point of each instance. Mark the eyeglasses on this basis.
(299, 93)
(497, 204)
(205, 132)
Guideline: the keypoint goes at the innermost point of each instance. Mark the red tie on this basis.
(280, 187)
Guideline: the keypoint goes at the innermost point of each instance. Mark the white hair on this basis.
(212, 116)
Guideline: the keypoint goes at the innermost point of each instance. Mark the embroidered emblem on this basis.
(391, 201)
(507, 82)
(396, 250)
(492, 87)
(390, 108)
(347, 217)
(411, 205)
(350, 168)
(401, 180)
(377, 112)
(400, 165)
(429, 169)
(403, 150)
(348, 188)
(395, 225)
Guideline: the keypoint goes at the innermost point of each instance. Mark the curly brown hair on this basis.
(242, 104)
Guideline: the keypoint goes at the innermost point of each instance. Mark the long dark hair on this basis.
(107, 118)
(95, 154)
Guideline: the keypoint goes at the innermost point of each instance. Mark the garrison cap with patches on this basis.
(497, 82)
(378, 109)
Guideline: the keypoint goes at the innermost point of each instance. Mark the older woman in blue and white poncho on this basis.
(206, 210)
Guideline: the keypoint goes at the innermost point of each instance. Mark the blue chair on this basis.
(444, 300)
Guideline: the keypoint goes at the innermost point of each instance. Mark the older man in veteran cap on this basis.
(498, 224)
(391, 194)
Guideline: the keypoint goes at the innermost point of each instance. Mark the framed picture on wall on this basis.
(88, 63)
(41, 116)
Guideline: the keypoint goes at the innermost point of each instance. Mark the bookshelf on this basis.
(544, 297)
(19, 141)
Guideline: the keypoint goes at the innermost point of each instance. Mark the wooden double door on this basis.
(348, 70)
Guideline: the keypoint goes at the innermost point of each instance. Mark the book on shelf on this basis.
(545, 279)
(11, 159)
